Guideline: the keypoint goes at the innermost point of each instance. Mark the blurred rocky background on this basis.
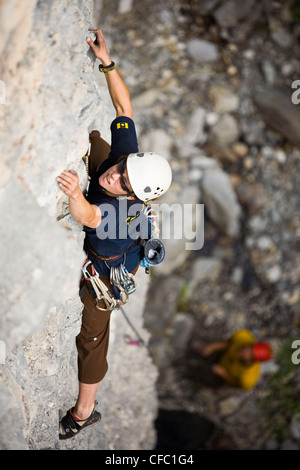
(214, 89)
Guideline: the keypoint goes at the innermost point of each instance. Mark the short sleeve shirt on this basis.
(123, 221)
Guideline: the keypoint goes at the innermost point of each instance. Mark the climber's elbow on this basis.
(95, 217)
(124, 110)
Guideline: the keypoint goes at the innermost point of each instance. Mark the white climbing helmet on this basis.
(150, 174)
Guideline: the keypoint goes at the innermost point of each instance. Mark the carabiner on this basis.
(86, 274)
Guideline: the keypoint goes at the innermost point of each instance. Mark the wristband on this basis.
(108, 68)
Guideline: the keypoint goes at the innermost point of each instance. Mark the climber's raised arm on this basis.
(118, 91)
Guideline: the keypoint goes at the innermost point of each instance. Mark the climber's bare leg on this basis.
(86, 400)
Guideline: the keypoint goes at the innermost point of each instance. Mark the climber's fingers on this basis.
(68, 182)
(98, 33)
(92, 44)
(95, 45)
(98, 46)
(70, 176)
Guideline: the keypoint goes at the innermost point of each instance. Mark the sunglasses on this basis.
(121, 167)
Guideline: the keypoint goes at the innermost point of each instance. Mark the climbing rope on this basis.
(137, 342)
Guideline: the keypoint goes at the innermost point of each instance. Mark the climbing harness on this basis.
(122, 280)
(106, 258)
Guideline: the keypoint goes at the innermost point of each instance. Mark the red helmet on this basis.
(262, 352)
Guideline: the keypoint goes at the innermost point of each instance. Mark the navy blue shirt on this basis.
(123, 221)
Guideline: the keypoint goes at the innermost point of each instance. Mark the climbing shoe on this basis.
(69, 426)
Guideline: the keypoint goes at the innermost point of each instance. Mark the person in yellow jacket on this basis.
(239, 362)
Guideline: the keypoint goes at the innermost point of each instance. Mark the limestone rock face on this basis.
(52, 96)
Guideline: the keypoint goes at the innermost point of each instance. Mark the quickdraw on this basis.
(122, 281)
(100, 289)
